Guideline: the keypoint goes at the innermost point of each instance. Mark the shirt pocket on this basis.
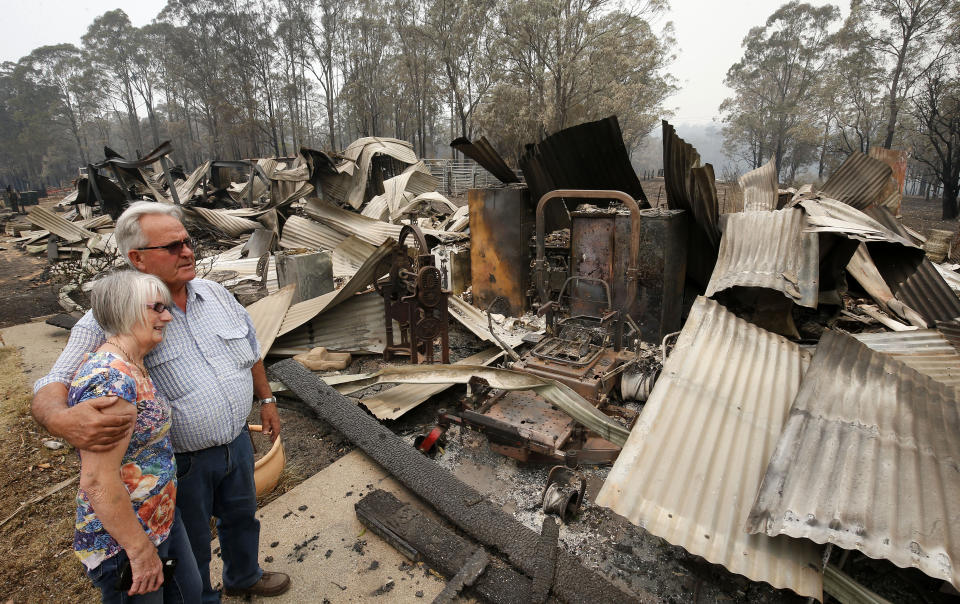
(167, 368)
(235, 344)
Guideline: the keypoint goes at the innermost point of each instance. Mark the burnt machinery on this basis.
(585, 350)
(413, 296)
(589, 342)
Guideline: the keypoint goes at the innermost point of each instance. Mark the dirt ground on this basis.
(39, 564)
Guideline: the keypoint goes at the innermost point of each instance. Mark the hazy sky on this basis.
(708, 36)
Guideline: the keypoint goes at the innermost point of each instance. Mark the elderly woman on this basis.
(128, 534)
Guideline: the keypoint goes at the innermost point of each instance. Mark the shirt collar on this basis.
(193, 291)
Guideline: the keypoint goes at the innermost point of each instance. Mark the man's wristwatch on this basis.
(267, 401)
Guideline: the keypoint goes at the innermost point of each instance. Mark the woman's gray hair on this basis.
(128, 233)
(119, 300)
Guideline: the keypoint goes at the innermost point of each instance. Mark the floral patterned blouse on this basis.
(148, 469)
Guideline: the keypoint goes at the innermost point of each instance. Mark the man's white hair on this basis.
(119, 300)
(128, 233)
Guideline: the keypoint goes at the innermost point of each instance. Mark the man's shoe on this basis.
(270, 584)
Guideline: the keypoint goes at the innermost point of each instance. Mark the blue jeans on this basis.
(219, 482)
(184, 588)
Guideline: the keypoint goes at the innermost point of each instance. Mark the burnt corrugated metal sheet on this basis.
(49, 221)
(760, 191)
(360, 154)
(587, 156)
(482, 152)
(832, 216)
(395, 402)
(356, 325)
(475, 320)
(926, 350)
(267, 315)
(300, 313)
(350, 255)
(769, 250)
(692, 188)
(234, 226)
(693, 462)
(860, 181)
(299, 232)
(918, 285)
(372, 231)
(868, 461)
(897, 160)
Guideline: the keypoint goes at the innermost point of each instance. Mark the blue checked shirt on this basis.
(202, 366)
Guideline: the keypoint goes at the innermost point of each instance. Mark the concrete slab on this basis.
(312, 534)
(40, 345)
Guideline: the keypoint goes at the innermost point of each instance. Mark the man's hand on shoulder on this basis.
(93, 425)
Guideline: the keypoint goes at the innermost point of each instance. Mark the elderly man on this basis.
(208, 368)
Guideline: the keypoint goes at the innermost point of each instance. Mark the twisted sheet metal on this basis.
(475, 320)
(693, 462)
(768, 250)
(586, 156)
(300, 232)
(358, 157)
(267, 315)
(926, 350)
(759, 187)
(356, 325)
(919, 285)
(49, 221)
(832, 216)
(300, 313)
(693, 188)
(560, 395)
(860, 181)
(395, 402)
(350, 255)
(372, 231)
(234, 226)
(482, 152)
(868, 461)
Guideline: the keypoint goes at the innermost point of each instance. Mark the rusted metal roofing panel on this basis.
(693, 462)
(897, 160)
(760, 191)
(868, 461)
(372, 231)
(926, 350)
(49, 221)
(587, 156)
(233, 226)
(356, 325)
(860, 181)
(267, 315)
(300, 313)
(482, 152)
(768, 250)
(350, 255)
(394, 402)
(300, 232)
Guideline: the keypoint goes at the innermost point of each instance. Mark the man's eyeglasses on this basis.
(158, 307)
(174, 247)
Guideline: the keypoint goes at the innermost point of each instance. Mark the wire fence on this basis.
(456, 176)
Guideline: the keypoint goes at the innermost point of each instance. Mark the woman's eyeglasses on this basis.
(158, 307)
(174, 247)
